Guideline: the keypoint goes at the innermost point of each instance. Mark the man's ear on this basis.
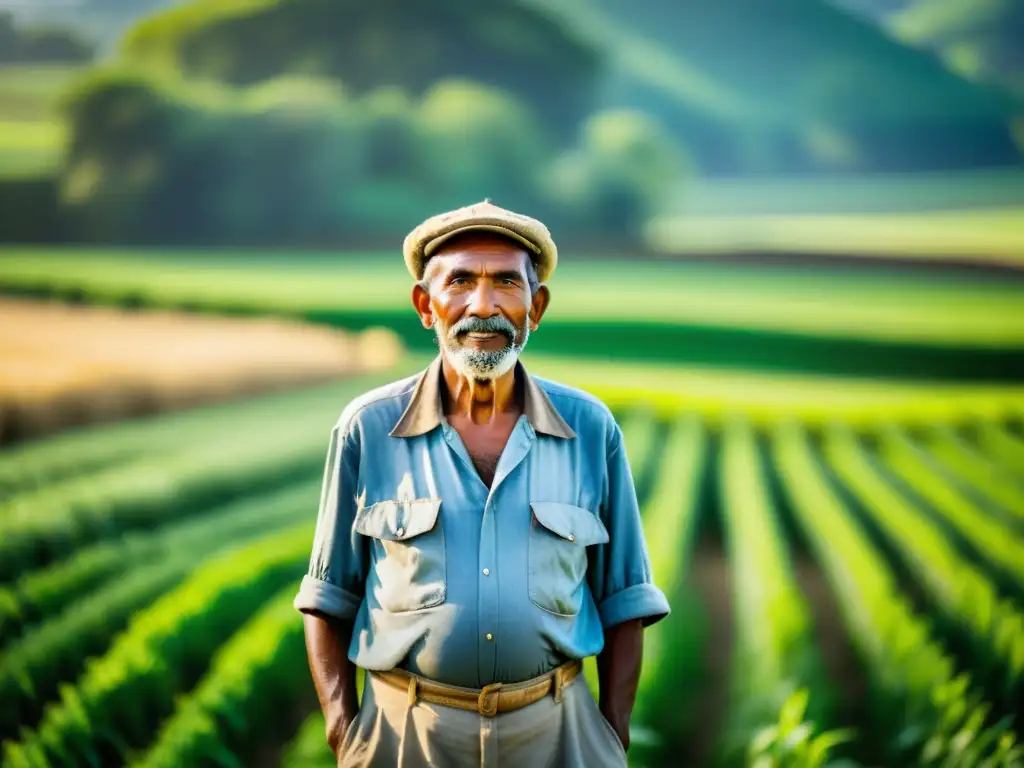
(539, 306)
(421, 302)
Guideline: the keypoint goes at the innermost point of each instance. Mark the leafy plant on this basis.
(919, 701)
(123, 695)
(793, 742)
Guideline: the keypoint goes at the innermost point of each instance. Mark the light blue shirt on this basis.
(470, 585)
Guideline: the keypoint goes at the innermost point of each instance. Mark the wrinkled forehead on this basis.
(478, 253)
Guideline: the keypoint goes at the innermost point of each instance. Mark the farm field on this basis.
(839, 321)
(32, 135)
(989, 236)
(815, 572)
(65, 366)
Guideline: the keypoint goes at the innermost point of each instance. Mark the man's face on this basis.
(479, 303)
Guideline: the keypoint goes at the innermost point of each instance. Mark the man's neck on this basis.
(479, 401)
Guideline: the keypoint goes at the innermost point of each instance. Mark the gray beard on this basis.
(481, 364)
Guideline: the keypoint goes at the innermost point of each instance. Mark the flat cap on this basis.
(424, 240)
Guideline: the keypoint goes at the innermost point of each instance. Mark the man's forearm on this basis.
(334, 676)
(618, 672)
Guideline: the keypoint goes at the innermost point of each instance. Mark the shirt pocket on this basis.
(559, 537)
(409, 560)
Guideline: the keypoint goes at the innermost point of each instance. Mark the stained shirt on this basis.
(467, 584)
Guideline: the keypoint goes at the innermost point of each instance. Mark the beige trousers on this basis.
(390, 733)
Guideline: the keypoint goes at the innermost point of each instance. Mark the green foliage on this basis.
(791, 742)
(474, 141)
(23, 45)
(41, 594)
(959, 590)
(38, 528)
(746, 86)
(1001, 445)
(31, 93)
(94, 449)
(153, 158)
(922, 711)
(33, 667)
(619, 174)
(1000, 546)
(886, 324)
(254, 682)
(978, 38)
(672, 647)
(124, 694)
(392, 43)
(987, 480)
(775, 647)
(29, 209)
(309, 747)
(640, 437)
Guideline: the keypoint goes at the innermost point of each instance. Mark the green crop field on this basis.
(31, 93)
(32, 137)
(824, 320)
(30, 148)
(147, 570)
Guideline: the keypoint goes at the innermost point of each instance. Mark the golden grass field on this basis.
(66, 365)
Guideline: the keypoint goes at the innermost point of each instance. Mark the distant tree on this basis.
(39, 44)
(157, 160)
(981, 40)
(403, 44)
(619, 175)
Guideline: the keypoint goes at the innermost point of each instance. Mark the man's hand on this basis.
(618, 672)
(620, 724)
(339, 718)
(334, 676)
(337, 726)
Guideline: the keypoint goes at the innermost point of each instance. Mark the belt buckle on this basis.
(487, 701)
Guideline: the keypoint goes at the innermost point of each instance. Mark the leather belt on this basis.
(489, 700)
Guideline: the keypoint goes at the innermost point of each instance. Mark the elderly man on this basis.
(478, 535)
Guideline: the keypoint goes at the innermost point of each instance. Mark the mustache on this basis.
(497, 324)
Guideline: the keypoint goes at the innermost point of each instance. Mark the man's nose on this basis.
(481, 302)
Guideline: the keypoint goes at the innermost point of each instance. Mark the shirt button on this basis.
(400, 531)
(489, 636)
(487, 571)
(571, 537)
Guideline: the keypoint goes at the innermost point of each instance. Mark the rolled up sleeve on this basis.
(620, 574)
(335, 580)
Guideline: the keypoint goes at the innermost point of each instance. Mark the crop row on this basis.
(246, 699)
(960, 590)
(32, 668)
(44, 593)
(672, 647)
(119, 701)
(91, 449)
(1000, 546)
(776, 658)
(154, 697)
(45, 526)
(986, 478)
(923, 712)
(997, 441)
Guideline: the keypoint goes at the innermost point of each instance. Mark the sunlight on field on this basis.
(857, 304)
(30, 147)
(988, 236)
(64, 366)
(31, 93)
(718, 394)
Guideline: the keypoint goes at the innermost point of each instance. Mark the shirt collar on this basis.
(425, 410)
